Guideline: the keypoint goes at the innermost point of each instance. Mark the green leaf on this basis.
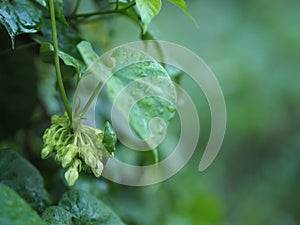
(158, 88)
(87, 53)
(46, 52)
(148, 10)
(56, 215)
(20, 175)
(59, 13)
(19, 17)
(182, 5)
(15, 211)
(81, 208)
(42, 2)
(67, 36)
(152, 92)
(109, 137)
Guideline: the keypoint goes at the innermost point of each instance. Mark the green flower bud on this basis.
(109, 138)
(90, 159)
(72, 174)
(72, 150)
(46, 151)
(97, 171)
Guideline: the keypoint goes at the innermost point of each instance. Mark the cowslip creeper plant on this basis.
(85, 149)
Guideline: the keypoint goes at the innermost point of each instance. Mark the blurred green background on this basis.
(253, 47)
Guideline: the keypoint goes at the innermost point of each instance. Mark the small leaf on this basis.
(46, 52)
(19, 17)
(148, 10)
(109, 138)
(181, 4)
(81, 208)
(59, 12)
(87, 53)
(42, 2)
(20, 175)
(14, 210)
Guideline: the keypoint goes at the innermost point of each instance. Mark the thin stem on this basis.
(112, 11)
(56, 61)
(91, 99)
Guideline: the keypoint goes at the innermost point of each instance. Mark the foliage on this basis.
(18, 174)
(76, 146)
(80, 208)
(253, 48)
(14, 210)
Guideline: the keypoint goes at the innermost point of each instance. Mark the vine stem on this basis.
(87, 15)
(56, 61)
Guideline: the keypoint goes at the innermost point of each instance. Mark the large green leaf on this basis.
(149, 86)
(148, 10)
(15, 211)
(24, 178)
(81, 208)
(147, 93)
(19, 16)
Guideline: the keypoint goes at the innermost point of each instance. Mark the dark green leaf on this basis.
(56, 215)
(68, 37)
(148, 10)
(109, 137)
(47, 50)
(19, 17)
(15, 211)
(20, 175)
(85, 209)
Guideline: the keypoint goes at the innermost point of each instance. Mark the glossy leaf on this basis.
(24, 178)
(14, 210)
(19, 17)
(81, 208)
(46, 52)
(56, 215)
(109, 137)
(151, 83)
(148, 10)
(68, 37)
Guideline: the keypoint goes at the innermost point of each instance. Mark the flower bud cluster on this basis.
(84, 148)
